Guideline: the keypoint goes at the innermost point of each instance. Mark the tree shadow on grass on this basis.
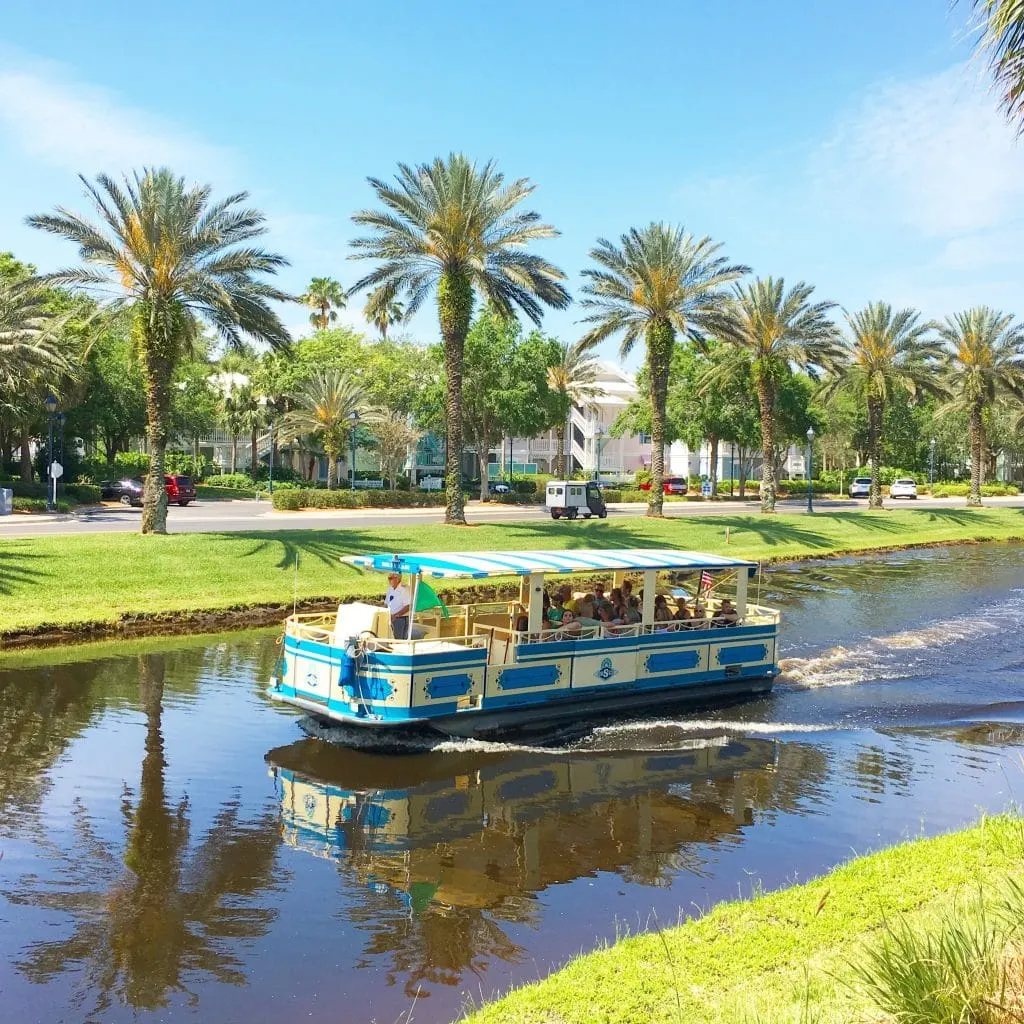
(18, 568)
(966, 516)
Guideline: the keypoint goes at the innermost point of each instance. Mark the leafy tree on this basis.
(888, 350)
(776, 330)
(984, 363)
(1002, 38)
(658, 283)
(322, 408)
(454, 228)
(193, 403)
(177, 259)
(383, 311)
(28, 335)
(393, 436)
(572, 380)
(324, 296)
(231, 410)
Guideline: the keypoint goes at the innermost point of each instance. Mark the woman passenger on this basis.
(661, 609)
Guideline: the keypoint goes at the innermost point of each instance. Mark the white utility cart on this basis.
(572, 498)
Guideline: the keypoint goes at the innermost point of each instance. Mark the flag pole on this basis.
(412, 605)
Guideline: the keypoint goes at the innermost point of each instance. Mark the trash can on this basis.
(6, 501)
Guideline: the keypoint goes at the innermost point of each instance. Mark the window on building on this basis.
(643, 438)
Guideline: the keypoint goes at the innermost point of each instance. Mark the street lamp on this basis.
(353, 418)
(59, 418)
(598, 437)
(810, 469)
(50, 403)
(931, 464)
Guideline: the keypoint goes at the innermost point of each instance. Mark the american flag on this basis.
(707, 581)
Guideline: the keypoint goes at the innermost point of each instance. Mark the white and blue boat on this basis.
(483, 667)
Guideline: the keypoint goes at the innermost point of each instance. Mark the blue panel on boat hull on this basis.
(745, 654)
(672, 661)
(534, 675)
(368, 688)
(454, 685)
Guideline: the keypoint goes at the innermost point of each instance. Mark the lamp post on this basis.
(50, 404)
(59, 418)
(810, 469)
(598, 437)
(732, 465)
(353, 418)
(931, 463)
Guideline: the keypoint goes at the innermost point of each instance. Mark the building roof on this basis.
(481, 564)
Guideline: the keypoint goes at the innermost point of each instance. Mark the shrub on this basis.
(187, 465)
(235, 481)
(518, 498)
(528, 487)
(131, 464)
(38, 505)
(643, 476)
(961, 490)
(293, 499)
(84, 494)
(798, 487)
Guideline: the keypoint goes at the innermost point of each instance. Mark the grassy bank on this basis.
(106, 578)
(782, 957)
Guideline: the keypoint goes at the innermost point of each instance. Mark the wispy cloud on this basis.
(48, 116)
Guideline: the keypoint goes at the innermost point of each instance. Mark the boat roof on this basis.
(481, 564)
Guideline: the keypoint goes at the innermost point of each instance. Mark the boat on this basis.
(487, 666)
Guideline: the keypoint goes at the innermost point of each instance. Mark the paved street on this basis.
(235, 516)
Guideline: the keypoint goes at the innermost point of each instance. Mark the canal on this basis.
(175, 847)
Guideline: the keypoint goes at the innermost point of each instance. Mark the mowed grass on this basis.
(784, 957)
(92, 578)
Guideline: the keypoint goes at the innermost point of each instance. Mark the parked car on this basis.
(180, 489)
(499, 488)
(669, 485)
(903, 489)
(861, 487)
(128, 492)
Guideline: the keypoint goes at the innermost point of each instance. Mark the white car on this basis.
(860, 487)
(903, 489)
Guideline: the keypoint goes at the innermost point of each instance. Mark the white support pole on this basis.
(535, 609)
(412, 606)
(650, 583)
(741, 593)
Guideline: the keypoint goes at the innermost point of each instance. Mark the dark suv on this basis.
(128, 492)
(180, 489)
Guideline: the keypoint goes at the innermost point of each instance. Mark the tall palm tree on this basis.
(28, 336)
(232, 415)
(887, 350)
(323, 407)
(572, 380)
(175, 259)
(776, 330)
(324, 296)
(453, 227)
(383, 310)
(1002, 38)
(658, 283)
(984, 362)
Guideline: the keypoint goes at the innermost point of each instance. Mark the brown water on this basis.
(175, 848)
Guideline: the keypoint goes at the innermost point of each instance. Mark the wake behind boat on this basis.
(483, 667)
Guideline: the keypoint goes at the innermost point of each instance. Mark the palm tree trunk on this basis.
(560, 451)
(743, 472)
(713, 463)
(481, 459)
(157, 372)
(454, 308)
(26, 455)
(875, 451)
(766, 401)
(253, 454)
(977, 435)
(660, 338)
(234, 452)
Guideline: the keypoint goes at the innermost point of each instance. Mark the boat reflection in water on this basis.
(464, 840)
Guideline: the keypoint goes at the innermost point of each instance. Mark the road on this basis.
(236, 516)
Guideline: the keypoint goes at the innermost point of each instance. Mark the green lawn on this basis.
(758, 960)
(102, 577)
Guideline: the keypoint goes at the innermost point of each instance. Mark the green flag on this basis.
(427, 599)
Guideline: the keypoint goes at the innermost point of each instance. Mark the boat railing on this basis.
(315, 626)
(422, 645)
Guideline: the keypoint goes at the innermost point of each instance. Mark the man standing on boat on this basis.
(397, 599)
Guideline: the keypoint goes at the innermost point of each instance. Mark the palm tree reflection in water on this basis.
(177, 912)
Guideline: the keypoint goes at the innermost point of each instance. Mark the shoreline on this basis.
(754, 538)
(782, 956)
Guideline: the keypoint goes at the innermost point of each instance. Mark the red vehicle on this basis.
(669, 485)
(180, 489)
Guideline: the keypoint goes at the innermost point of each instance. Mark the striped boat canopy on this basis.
(481, 564)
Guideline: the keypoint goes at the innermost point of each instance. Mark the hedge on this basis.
(962, 490)
(81, 494)
(299, 498)
(38, 505)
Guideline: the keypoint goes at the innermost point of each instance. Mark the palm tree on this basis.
(383, 310)
(1002, 37)
(232, 414)
(887, 350)
(28, 339)
(984, 362)
(174, 259)
(776, 330)
(323, 408)
(572, 380)
(658, 283)
(451, 226)
(254, 418)
(324, 296)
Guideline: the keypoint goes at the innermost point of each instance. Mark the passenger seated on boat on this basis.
(570, 624)
(726, 614)
(691, 618)
(661, 609)
(585, 607)
(633, 614)
(609, 623)
(627, 590)
(600, 601)
(555, 611)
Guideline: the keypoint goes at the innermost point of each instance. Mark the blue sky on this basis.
(856, 146)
